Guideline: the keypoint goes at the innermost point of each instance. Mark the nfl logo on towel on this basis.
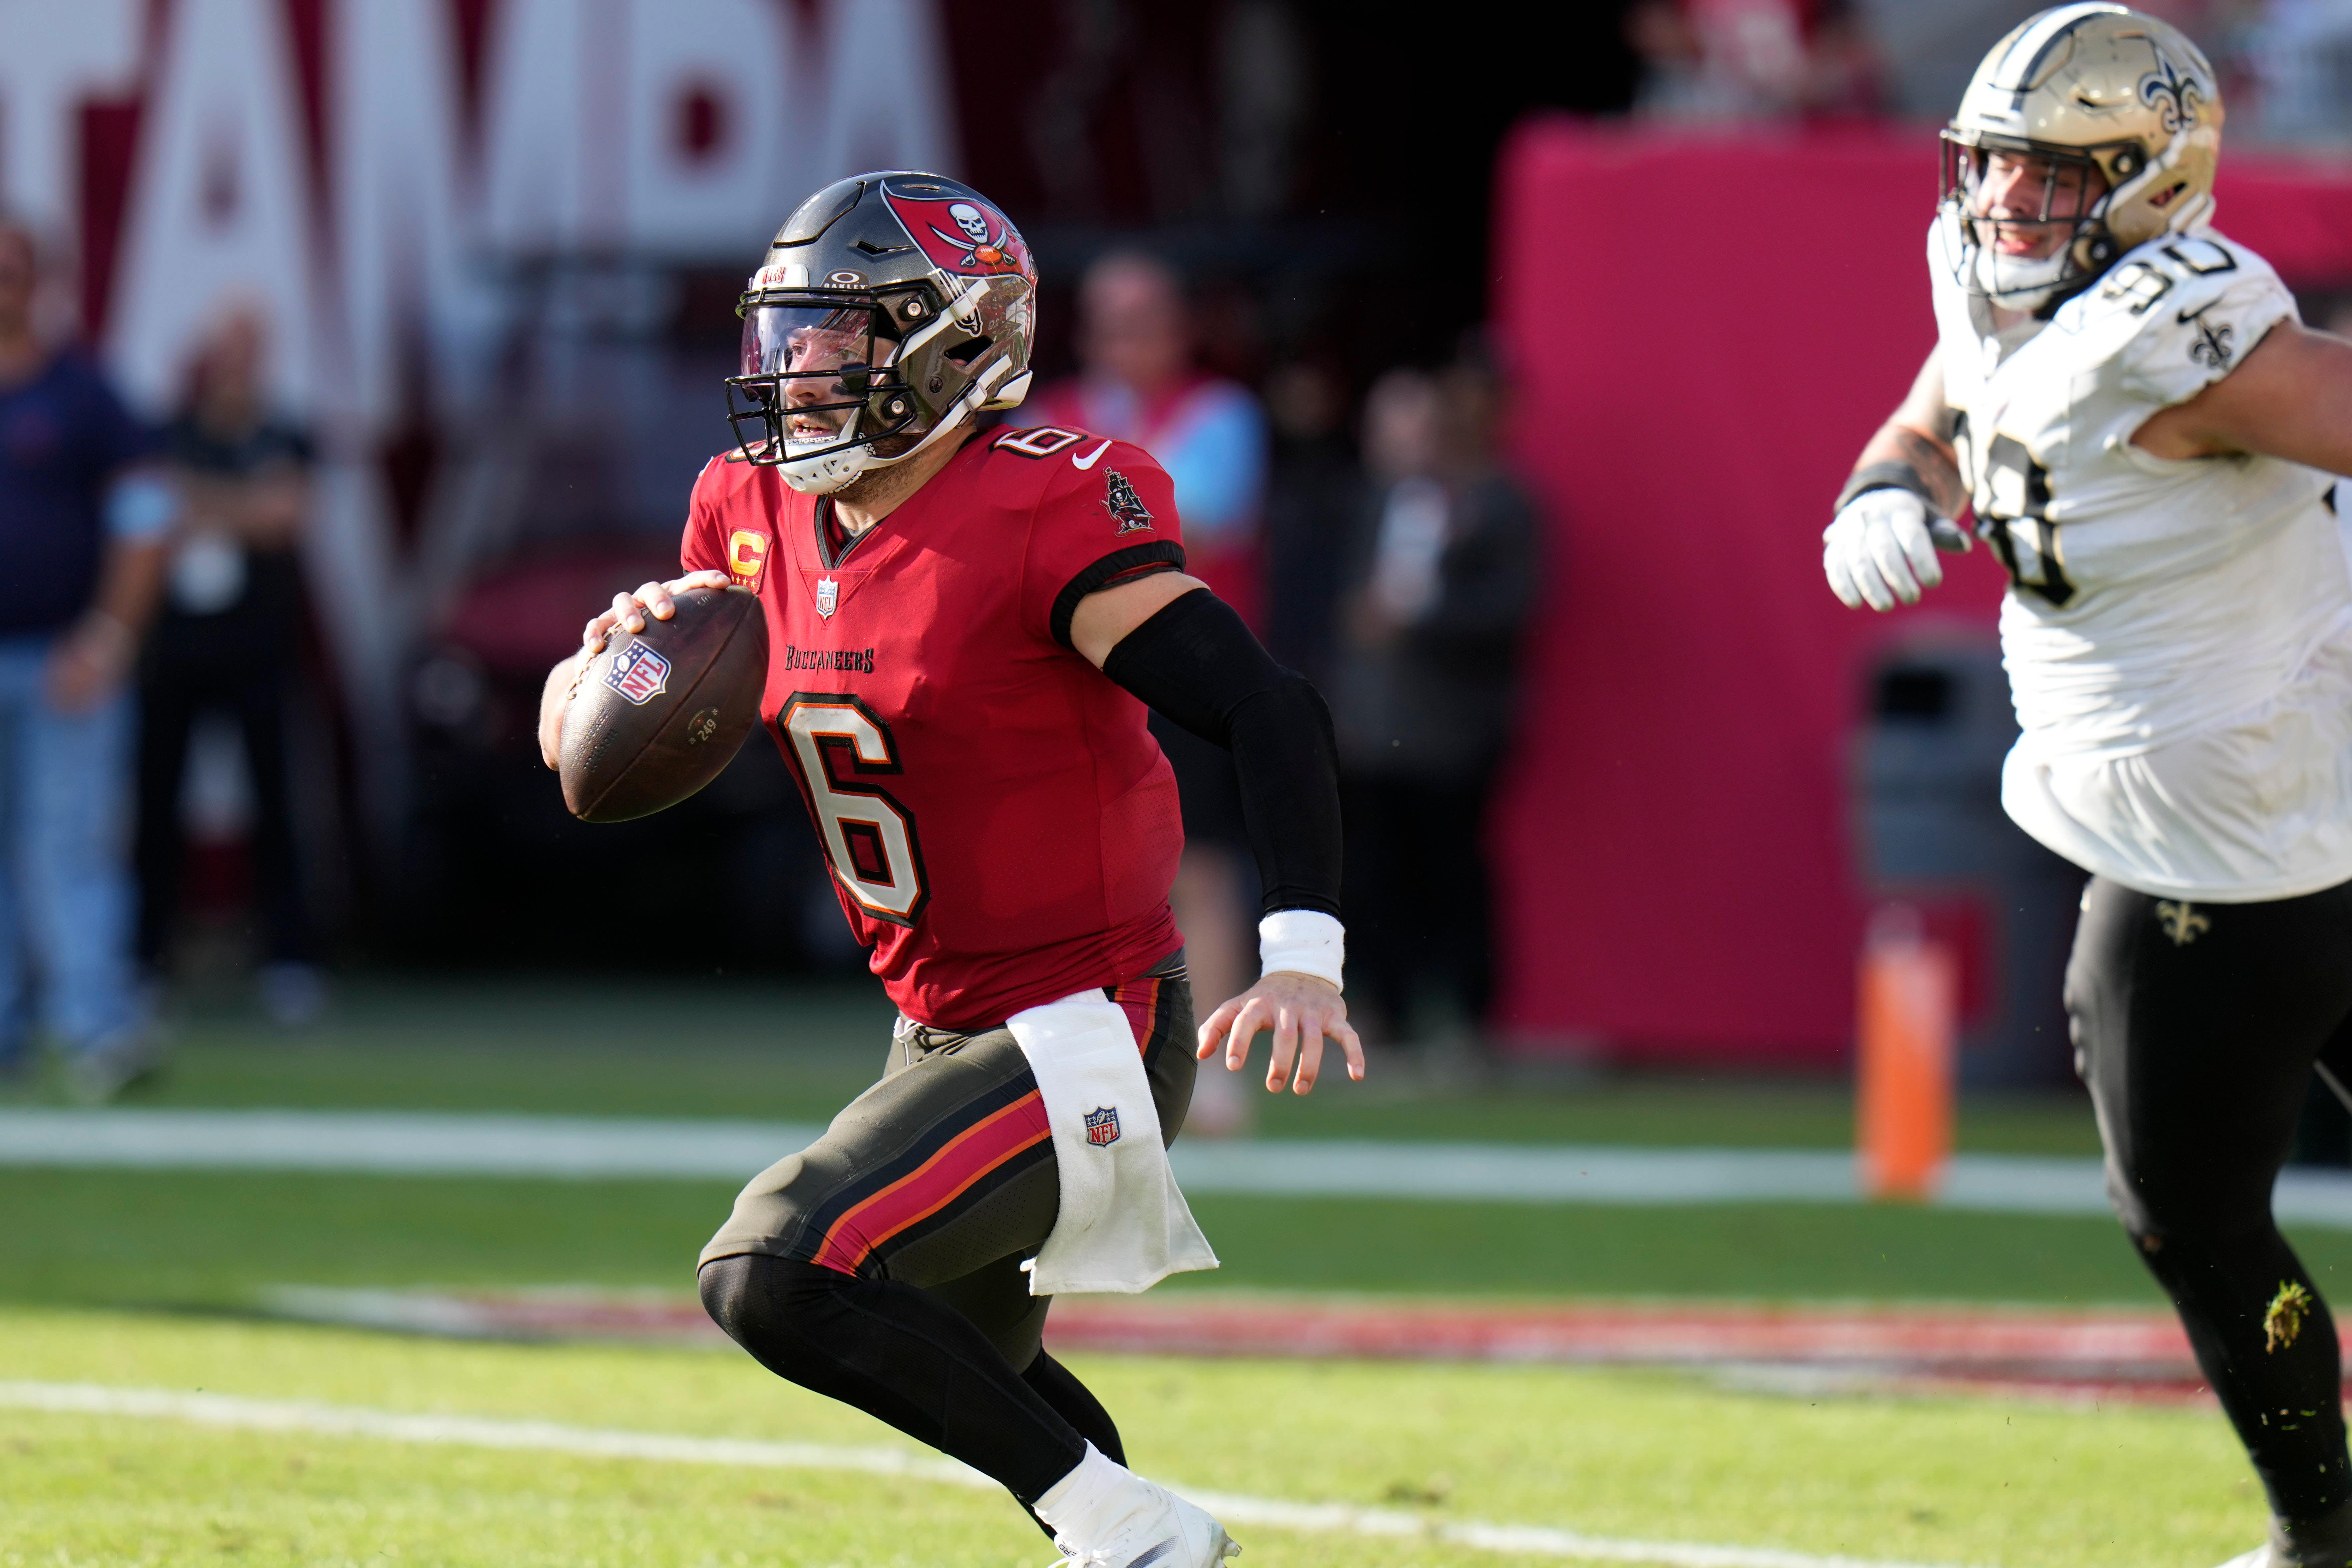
(638, 674)
(1102, 1126)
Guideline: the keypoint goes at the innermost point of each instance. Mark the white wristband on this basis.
(1304, 942)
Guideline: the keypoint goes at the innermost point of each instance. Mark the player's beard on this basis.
(880, 484)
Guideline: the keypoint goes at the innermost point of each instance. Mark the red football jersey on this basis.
(1002, 827)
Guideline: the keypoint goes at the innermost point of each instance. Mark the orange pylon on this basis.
(1907, 1007)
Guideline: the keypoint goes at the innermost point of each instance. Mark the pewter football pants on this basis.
(881, 1265)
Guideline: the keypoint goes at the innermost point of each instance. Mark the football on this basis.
(659, 713)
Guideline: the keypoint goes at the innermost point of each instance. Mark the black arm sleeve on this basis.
(1196, 663)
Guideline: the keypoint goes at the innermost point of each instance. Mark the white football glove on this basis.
(1880, 550)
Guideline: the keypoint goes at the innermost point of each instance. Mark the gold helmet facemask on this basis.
(2121, 118)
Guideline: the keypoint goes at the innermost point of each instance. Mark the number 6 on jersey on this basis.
(869, 836)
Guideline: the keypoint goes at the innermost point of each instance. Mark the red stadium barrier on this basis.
(1704, 329)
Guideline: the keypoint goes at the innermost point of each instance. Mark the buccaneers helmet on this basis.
(2126, 111)
(890, 308)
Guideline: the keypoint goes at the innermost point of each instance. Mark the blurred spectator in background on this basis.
(2300, 52)
(228, 645)
(81, 551)
(1752, 59)
(1441, 575)
(1140, 384)
(1311, 499)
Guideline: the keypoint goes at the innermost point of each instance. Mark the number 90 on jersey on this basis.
(869, 838)
(2012, 503)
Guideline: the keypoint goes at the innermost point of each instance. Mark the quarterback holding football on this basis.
(2149, 440)
(963, 628)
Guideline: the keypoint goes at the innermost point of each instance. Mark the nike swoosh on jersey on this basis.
(1090, 459)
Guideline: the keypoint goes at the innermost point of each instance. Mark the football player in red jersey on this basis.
(966, 627)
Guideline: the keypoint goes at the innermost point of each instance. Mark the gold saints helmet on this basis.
(2125, 110)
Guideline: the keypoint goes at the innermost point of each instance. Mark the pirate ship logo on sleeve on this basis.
(1121, 502)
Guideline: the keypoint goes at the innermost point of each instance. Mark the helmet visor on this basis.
(806, 339)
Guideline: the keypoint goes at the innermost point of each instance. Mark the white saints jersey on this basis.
(2177, 634)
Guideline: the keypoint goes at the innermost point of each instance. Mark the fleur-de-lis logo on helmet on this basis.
(2174, 96)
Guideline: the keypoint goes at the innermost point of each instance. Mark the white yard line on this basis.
(579, 1147)
(224, 1410)
(395, 1142)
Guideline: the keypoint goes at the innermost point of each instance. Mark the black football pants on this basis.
(2196, 1027)
(173, 693)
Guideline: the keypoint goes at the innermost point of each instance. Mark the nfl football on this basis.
(659, 713)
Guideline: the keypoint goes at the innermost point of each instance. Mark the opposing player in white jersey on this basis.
(2149, 440)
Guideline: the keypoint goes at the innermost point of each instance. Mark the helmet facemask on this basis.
(824, 374)
(820, 380)
(2023, 248)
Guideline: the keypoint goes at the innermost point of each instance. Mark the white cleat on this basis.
(1161, 1531)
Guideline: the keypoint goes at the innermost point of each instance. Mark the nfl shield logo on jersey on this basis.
(638, 673)
(828, 598)
(1102, 1126)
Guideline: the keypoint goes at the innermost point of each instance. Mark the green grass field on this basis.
(737, 1049)
(149, 1280)
(1648, 1456)
(214, 1239)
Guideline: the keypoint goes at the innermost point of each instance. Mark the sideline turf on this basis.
(735, 1048)
(1627, 1454)
(217, 1237)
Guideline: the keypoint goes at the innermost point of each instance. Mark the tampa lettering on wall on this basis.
(393, 183)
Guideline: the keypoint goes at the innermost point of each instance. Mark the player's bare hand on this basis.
(1302, 1011)
(628, 611)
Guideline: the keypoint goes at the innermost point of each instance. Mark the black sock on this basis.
(901, 1355)
(1060, 1388)
(2267, 1344)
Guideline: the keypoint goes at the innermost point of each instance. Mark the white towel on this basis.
(1123, 1224)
